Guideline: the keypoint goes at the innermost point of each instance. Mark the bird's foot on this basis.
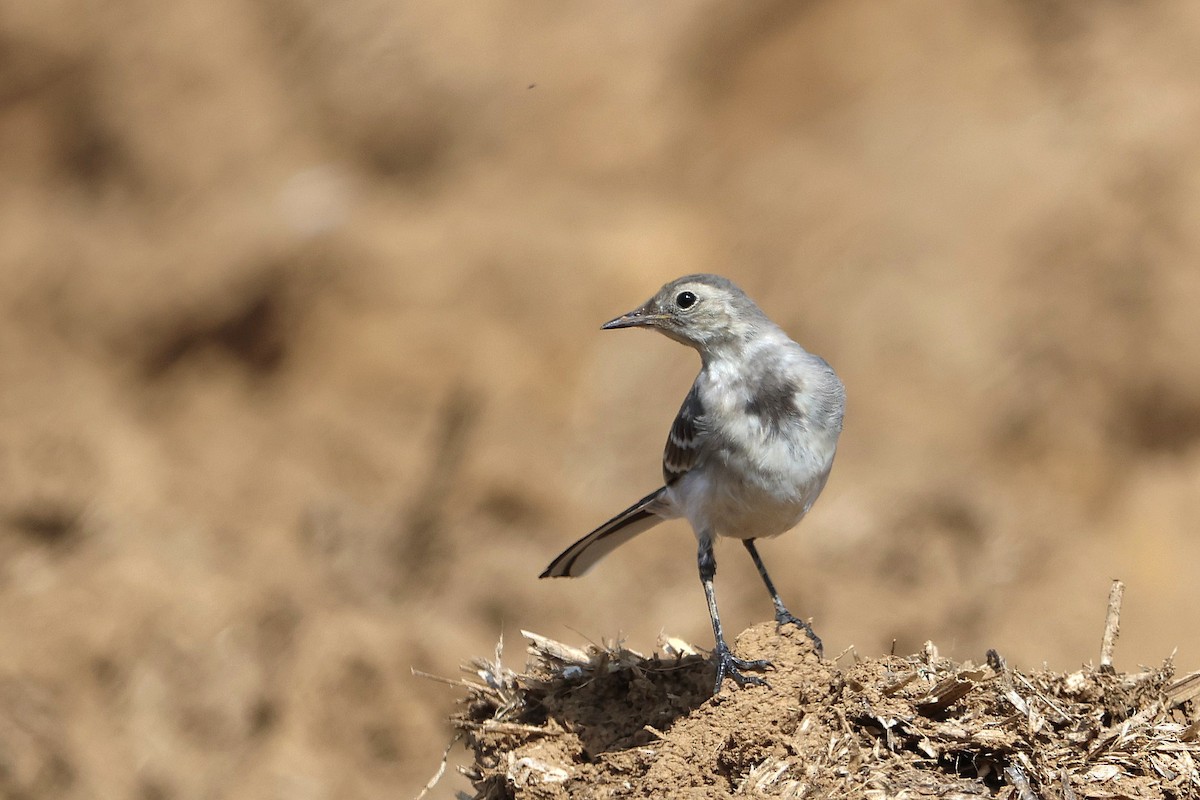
(729, 665)
(785, 617)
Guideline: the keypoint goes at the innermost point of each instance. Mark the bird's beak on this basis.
(639, 317)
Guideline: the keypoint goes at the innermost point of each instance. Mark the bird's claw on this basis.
(729, 665)
(785, 617)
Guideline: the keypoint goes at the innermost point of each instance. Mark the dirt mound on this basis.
(609, 722)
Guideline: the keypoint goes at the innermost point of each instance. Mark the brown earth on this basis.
(610, 723)
(302, 387)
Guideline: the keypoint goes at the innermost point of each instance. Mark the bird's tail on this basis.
(583, 555)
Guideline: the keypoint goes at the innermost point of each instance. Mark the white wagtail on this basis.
(749, 451)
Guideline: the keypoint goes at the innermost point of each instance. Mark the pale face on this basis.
(696, 311)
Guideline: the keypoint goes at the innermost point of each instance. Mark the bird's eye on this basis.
(685, 300)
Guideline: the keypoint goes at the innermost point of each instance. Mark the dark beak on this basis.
(639, 317)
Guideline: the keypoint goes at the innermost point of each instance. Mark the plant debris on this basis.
(608, 722)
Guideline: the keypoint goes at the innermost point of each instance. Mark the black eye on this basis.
(685, 300)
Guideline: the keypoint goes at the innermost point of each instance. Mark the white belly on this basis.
(718, 501)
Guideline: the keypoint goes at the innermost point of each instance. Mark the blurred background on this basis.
(302, 382)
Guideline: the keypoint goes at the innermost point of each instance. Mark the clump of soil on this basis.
(607, 722)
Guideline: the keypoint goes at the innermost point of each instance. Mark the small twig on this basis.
(1062, 715)
(541, 645)
(849, 650)
(511, 728)
(441, 767)
(456, 682)
(655, 732)
(1112, 627)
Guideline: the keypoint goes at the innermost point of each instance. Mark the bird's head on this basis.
(702, 311)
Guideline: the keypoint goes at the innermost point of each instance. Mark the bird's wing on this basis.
(683, 443)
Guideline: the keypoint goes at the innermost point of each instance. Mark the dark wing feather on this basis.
(581, 556)
(683, 443)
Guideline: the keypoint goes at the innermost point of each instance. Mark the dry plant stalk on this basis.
(1112, 626)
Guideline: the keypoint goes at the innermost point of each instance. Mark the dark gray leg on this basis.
(727, 664)
(782, 615)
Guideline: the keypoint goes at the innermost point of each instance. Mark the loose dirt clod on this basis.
(607, 722)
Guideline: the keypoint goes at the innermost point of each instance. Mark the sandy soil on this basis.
(302, 384)
(604, 722)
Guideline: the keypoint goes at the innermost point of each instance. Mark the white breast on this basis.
(759, 477)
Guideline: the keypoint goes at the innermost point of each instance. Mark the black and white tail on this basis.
(583, 555)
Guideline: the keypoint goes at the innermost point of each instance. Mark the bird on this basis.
(748, 453)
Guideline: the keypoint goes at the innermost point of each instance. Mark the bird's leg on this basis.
(782, 615)
(727, 663)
